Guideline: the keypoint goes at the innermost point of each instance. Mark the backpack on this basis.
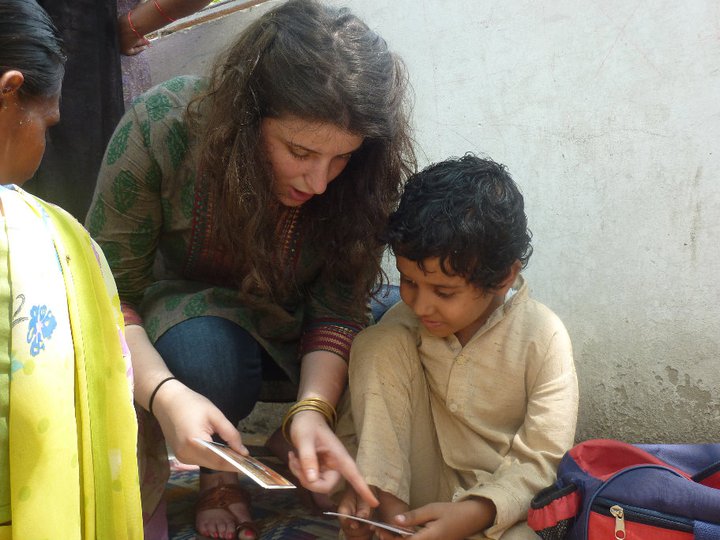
(611, 490)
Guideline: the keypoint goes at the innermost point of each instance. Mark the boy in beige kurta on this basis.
(464, 396)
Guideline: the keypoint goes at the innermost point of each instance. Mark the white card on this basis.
(256, 470)
(386, 526)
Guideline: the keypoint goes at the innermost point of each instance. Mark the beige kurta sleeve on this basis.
(538, 445)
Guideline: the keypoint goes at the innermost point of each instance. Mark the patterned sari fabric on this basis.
(67, 426)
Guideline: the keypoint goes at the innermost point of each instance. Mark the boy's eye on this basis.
(406, 281)
(442, 294)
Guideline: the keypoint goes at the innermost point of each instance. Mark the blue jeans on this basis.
(218, 359)
(223, 362)
(384, 299)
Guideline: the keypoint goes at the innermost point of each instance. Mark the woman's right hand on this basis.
(320, 460)
(183, 415)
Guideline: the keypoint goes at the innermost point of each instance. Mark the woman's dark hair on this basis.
(29, 43)
(322, 64)
(467, 212)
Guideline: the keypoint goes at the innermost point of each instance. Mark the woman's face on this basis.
(305, 156)
(23, 123)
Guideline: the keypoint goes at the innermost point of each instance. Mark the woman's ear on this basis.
(512, 275)
(10, 83)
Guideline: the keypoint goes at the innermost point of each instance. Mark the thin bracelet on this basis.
(152, 396)
(142, 38)
(160, 10)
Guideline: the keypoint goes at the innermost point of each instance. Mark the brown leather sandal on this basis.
(221, 497)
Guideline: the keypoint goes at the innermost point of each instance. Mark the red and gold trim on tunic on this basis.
(332, 335)
(206, 263)
(287, 232)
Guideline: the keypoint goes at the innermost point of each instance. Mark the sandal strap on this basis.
(221, 496)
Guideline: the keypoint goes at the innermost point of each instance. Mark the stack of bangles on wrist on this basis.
(309, 404)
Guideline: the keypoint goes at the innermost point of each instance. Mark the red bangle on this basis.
(132, 27)
(160, 10)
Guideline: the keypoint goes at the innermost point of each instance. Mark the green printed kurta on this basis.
(150, 215)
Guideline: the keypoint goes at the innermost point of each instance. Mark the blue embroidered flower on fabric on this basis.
(42, 324)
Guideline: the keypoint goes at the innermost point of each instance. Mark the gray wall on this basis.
(608, 116)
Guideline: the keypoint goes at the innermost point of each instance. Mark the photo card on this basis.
(256, 470)
(392, 528)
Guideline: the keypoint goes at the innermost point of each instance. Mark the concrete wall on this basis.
(608, 116)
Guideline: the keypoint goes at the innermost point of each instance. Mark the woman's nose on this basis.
(318, 178)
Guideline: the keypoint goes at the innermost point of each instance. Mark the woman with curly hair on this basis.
(241, 215)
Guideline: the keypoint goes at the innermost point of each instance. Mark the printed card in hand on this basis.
(259, 472)
(392, 528)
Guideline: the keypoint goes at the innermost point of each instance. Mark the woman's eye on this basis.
(298, 153)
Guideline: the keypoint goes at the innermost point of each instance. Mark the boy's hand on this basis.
(353, 505)
(445, 521)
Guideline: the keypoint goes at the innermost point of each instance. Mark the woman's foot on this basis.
(223, 508)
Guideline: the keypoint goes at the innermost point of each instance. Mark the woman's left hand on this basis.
(320, 459)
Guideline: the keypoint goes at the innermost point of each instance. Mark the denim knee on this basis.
(218, 359)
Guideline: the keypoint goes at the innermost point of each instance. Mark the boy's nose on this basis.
(421, 305)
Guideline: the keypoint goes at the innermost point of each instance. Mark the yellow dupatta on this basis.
(72, 427)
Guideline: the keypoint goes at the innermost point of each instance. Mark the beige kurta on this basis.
(437, 421)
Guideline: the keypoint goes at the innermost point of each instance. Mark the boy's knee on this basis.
(382, 347)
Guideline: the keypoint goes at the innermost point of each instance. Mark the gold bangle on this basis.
(309, 404)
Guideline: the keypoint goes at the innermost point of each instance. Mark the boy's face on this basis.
(445, 304)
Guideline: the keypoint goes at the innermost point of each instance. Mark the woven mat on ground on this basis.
(279, 514)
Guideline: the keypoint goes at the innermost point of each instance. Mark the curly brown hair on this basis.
(470, 214)
(321, 64)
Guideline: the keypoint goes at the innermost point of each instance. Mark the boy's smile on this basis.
(446, 304)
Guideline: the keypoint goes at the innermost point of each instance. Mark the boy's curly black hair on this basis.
(469, 213)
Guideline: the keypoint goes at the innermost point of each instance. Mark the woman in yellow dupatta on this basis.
(68, 466)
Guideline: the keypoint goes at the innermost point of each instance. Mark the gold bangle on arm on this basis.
(309, 404)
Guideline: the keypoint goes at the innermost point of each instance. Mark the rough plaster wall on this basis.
(192, 51)
(608, 116)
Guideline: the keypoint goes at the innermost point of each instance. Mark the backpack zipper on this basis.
(595, 496)
(619, 515)
(635, 514)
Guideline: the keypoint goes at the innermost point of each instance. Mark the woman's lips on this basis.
(299, 196)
